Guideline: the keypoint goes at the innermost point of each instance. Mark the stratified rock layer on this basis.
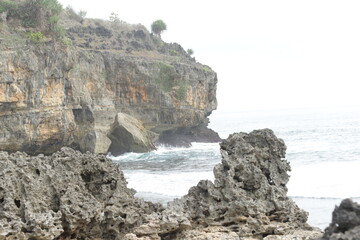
(52, 95)
(70, 195)
(345, 223)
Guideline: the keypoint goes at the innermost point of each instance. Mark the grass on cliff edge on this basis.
(39, 19)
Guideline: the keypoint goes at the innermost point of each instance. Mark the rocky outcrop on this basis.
(127, 134)
(70, 195)
(183, 137)
(66, 195)
(248, 196)
(345, 223)
(54, 95)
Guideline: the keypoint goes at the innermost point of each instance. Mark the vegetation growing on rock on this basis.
(114, 17)
(36, 37)
(190, 51)
(36, 16)
(166, 77)
(157, 27)
(105, 68)
(6, 5)
(77, 16)
(40, 14)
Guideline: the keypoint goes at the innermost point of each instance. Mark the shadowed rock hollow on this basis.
(70, 195)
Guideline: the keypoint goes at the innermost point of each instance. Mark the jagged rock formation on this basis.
(345, 223)
(248, 196)
(53, 95)
(70, 195)
(66, 195)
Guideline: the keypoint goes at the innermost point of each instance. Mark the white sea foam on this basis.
(323, 149)
(326, 180)
(167, 184)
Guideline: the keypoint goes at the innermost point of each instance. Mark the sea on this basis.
(323, 148)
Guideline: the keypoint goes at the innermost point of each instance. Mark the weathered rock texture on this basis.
(70, 195)
(248, 196)
(345, 223)
(53, 95)
(66, 195)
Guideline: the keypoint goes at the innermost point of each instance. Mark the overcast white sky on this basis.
(269, 54)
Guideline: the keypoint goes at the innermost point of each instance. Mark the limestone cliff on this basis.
(54, 94)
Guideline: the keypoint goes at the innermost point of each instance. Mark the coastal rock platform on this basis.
(71, 195)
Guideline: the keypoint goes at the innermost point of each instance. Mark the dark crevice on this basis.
(17, 203)
(86, 177)
(228, 224)
(168, 236)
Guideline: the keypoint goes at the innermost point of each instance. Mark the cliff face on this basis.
(53, 95)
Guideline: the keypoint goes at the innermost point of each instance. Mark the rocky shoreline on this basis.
(114, 87)
(71, 195)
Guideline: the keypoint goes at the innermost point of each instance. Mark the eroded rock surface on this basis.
(247, 199)
(66, 195)
(70, 195)
(345, 223)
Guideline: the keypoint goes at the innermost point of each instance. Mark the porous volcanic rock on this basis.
(248, 196)
(70, 195)
(345, 223)
(66, 195)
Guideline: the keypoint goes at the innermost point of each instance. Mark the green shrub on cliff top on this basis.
(6, 5)
(42, 14)
(114, 17)
(190, 51)
(76, 16)
(52, 6)
(158, 27)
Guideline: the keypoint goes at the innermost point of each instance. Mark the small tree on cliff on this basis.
(190, 51)
(158, 27)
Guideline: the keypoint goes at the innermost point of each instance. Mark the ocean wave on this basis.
(167, 184)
